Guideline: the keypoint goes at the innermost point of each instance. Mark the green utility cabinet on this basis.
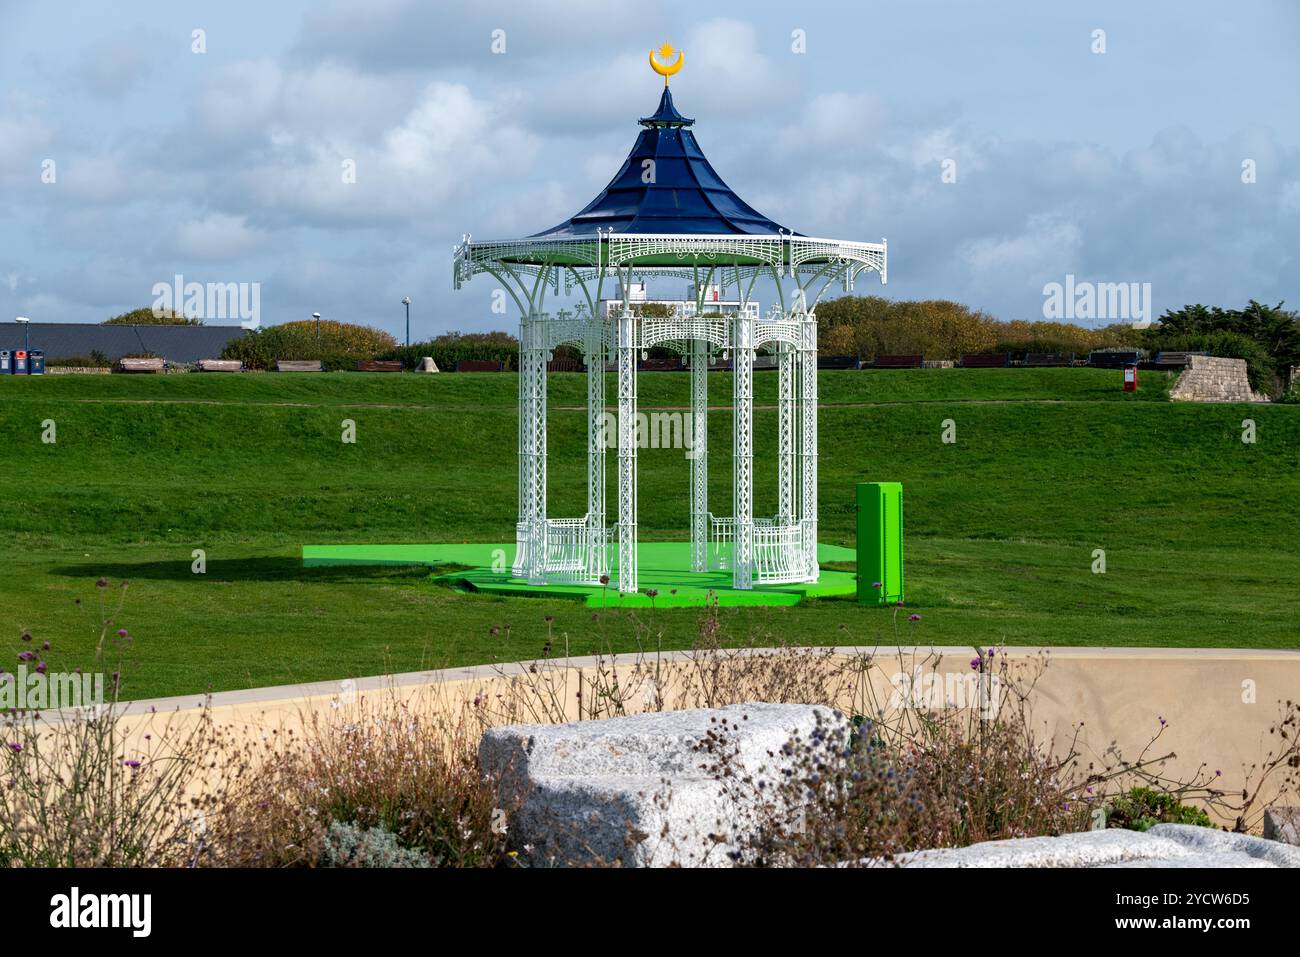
(880, 542)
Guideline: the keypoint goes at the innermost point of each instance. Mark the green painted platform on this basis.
(664, 567)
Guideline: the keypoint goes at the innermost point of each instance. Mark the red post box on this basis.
(1130, 378)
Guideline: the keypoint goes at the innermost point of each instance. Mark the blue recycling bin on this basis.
(6, 362)
(36, 362)
(20, 362)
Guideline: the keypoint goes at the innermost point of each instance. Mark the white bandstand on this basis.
(680, 222)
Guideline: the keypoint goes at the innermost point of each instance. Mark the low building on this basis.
(72, 340)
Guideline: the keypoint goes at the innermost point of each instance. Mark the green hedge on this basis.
(338, 346)
(454, 347)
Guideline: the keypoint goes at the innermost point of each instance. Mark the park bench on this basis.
(838, 362)
(299, 365)
(1043, 360)
(898, 362)
(379, 365)
(220, 365)
(478, 365)
(661, 365)
(141, 365)
(565, 365)
(1175, 360)
(985, 360)
(1112, 360)
(765, 362)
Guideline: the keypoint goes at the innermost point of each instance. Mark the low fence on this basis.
(1214, 711)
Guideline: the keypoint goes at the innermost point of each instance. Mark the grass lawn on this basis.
(1198, 528)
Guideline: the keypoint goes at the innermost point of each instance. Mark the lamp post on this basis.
(406, 301)
(316, 316)
(27, 337)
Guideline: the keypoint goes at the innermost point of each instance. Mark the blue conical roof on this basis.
(686, 196)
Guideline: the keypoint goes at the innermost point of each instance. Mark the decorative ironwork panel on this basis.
(743, 452)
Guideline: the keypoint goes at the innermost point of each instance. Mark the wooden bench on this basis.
(478, 365)
(379, 365)
(1043, 360)
(1175, 360)
(299, 365)
(220, 365)
(838, 362)
(141, 365)
(661, 365)
(565, 365)
(898, 362)
(1112, 360)
(985, 360)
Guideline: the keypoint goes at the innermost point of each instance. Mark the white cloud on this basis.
(448, 144)
(1047, 245)
(216, 236)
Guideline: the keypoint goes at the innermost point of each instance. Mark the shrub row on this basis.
(454, 347)
(338, 345)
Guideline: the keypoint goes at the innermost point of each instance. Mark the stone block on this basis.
(1282, 824)
(635, 791)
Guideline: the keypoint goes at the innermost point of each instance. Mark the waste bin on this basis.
(36, 362)
(880, 542)
(20, 362)
(6, 362)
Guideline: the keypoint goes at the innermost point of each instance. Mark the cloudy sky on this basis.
(126, 157)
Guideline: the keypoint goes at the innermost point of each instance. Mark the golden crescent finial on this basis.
(668, 66)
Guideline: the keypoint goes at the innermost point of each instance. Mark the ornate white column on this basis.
(787, 363)
(596, 350)
(530, 535)
(699, 358)
(627, 355)
(523, 410)
(808, 441)
(742, 342)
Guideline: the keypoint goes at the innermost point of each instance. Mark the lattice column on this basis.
(627, 354)
(808, 442)
(700, 455)
(597, 553)
(742, 342)
(532, 451)
(787, 426)
(525, 498)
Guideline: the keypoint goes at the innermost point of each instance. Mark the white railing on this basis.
(778, 552)
(567, 542)
(722, 543)
(778, 548)
(566, 545)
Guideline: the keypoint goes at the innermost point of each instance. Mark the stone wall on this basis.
(1214, 379)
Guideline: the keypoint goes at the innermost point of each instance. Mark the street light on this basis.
(406, 301)
(316, 316)
(27, 336)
